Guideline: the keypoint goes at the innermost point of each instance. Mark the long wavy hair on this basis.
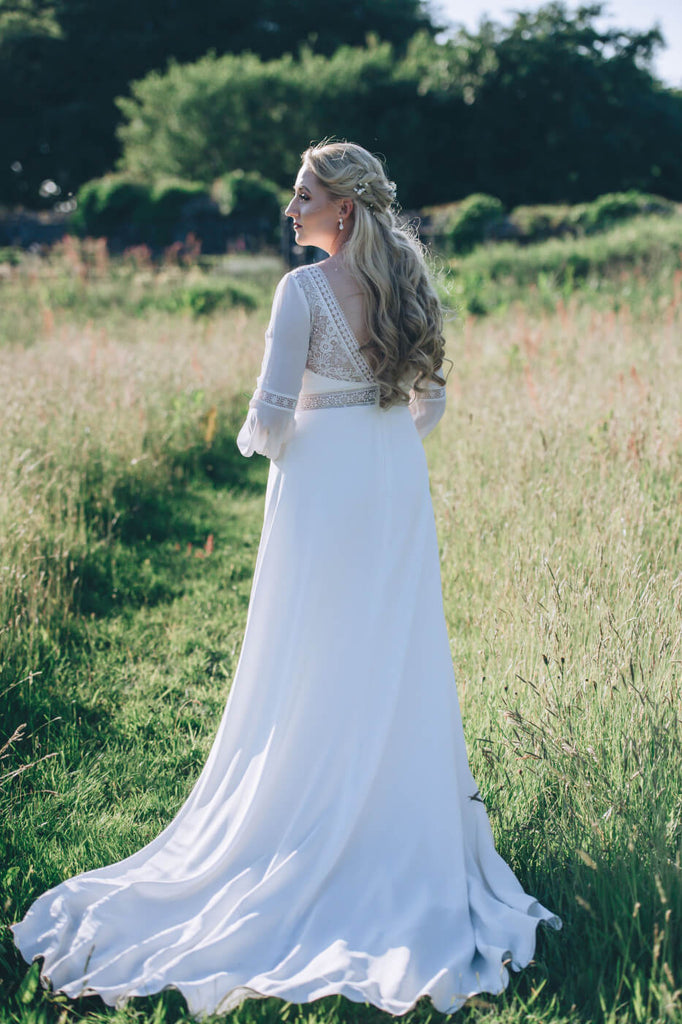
(403, 315)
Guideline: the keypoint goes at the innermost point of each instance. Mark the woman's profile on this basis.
(334, 842)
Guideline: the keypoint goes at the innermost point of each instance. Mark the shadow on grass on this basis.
(150, 517)
(140, 552)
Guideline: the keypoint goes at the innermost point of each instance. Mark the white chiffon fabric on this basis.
(335, 842)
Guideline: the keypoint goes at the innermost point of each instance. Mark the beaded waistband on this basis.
(338, 399)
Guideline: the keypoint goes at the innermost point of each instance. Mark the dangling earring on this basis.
(340, 223)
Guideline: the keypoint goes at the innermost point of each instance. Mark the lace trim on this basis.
(337, 399)
(334, 350)
(274, 398)
(431, 394)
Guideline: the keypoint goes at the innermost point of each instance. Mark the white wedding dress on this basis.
(335, 841)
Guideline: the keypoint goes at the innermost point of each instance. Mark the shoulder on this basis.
(290, 295)
(297, 288)
(294, 281)
(303, 278)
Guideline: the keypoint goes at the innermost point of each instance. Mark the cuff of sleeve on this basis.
(256, 436)
(427, 409)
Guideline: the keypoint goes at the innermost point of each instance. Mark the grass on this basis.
(76, 283)
(633, 264)
(128, 532)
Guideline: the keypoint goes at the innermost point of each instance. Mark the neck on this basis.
(336, 252)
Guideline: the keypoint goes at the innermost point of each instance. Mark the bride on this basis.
(335, 842)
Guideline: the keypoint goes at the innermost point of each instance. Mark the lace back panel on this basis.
(333, 351)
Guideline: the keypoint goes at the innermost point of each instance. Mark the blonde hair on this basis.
(402, 311)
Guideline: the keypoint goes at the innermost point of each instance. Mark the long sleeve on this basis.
(270, 420)
(427, 407)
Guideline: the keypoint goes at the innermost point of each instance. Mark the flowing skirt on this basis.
(334, 842)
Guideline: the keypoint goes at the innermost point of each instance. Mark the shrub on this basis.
(202, 298)
(616, 265)
(10, 255)
(473, 221)
(616, 206)
(170, 202)
(536, 223)
(132, 211)
(252, 203)
(108, 205)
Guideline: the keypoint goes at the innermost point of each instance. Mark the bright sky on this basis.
(636, 14)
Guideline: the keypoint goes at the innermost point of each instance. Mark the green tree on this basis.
(554, 109)
(200, 120)
(63, 62)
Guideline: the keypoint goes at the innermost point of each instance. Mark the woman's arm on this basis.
(270, 421)
(427, 407)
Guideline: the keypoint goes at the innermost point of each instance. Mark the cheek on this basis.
(314, 209)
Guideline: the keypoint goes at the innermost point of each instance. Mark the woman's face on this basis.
(314, 213)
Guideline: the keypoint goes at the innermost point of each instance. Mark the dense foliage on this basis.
(130, 210)
(550, 109)
(62, 62)
(456, 228)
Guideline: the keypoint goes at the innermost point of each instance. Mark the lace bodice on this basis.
(333, 350)
(313, 361)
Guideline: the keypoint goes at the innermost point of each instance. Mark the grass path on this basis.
(132, 712)
(126, 727)
(556, 476)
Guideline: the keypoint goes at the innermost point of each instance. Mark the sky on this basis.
(626, 14)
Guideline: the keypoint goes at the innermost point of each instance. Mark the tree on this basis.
(555, 109)
(547, 110)
(63, 62)
(202, 119)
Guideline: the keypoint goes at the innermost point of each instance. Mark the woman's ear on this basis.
(345, 208)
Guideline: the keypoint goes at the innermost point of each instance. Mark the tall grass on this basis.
(556, 479)
(128, 530)
(76, 282)
(634, 264)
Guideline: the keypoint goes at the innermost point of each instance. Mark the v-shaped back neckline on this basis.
(327, 292)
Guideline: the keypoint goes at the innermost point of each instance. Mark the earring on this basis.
(340, 223)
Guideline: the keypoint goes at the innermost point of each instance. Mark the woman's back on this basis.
(349, 296)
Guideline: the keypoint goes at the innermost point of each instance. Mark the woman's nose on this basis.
(289, 212)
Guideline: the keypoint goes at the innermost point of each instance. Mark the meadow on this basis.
(129, 526)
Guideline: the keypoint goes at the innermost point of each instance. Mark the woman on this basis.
(335, 841)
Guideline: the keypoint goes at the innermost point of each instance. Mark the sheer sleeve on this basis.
(427, 407)
(270, 420)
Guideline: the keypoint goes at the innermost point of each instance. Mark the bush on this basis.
(107, 205)
(458, 227)
(10, 255)
(536, 223)
(170, 202)
(617, 206)
(131, 211)
(251, 203)
(627, 263)
(473, 221)
(202, 298)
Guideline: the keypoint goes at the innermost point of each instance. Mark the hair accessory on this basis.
(363, 186)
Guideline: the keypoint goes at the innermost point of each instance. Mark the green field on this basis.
(128, 532)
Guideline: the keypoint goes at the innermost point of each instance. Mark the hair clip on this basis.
(359, 188)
